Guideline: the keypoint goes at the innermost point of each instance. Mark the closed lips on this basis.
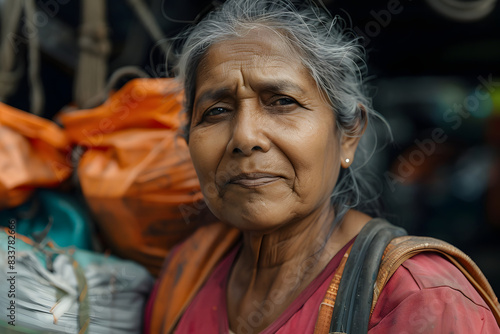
(253, 180)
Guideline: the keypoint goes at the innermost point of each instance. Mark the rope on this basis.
(9, 81)
(9, 73)
(148, 21)
(9, 76)
(94, 50)
(465, 11)
(132, 71)
(151, 25)
(37, 100)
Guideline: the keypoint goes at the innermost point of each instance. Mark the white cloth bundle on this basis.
(116, 291)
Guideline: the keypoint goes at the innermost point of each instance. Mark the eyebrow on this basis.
(212, 95)
(279, 86)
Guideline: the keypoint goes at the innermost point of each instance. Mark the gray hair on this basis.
(327, 48)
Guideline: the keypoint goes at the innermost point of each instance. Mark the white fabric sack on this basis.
(48, 301)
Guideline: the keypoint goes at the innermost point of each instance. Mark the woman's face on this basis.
(262, 139)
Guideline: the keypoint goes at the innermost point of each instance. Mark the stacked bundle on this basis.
(71, 291)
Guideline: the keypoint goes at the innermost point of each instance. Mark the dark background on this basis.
(424, 70)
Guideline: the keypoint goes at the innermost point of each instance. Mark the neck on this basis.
(289, 244)
(275, 267)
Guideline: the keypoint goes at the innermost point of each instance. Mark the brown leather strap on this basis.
(402, 248)
(399, 250)
(326, 307)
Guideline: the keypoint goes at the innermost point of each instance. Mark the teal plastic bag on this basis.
(71, 223)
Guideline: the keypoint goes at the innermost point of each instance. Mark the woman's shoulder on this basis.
(428, 294)
(185, 270)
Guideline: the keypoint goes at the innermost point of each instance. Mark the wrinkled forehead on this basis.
(253, 48)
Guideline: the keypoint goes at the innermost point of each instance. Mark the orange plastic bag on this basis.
(34, 152)
(141, 103)
(137, 175)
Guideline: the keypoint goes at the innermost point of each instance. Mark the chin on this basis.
(263, 221)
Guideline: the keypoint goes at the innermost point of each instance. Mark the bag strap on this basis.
(402, 248)
(326, 307)
(352, 311)
(398, 250)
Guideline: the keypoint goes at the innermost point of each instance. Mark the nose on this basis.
(249, 133)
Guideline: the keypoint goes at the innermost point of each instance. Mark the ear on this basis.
(350, 139)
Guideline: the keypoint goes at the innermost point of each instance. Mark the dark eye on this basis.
(215, 111)
(284, 101)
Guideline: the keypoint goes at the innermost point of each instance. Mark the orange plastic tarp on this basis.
(136, 174)
(34, 152)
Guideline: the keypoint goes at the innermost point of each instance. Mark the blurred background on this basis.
(434, 70)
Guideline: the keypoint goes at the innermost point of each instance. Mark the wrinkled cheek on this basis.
(202, 166)
(330, 168)
(210, 191)
(207, 182)
(325, 175)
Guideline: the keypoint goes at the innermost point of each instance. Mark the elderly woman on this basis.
(276, 109)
